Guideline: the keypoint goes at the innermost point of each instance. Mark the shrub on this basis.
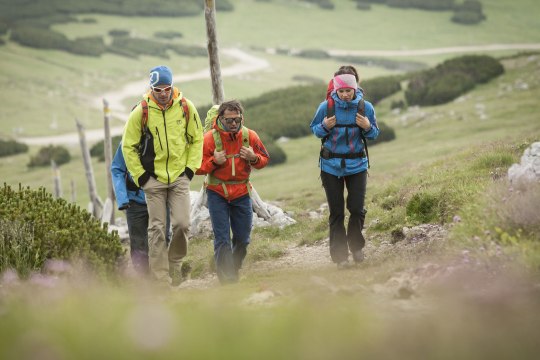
(98, 149)
(314, 54)
(423, 207)
(363, 6)
(3, 28)
(378, 88)
(277, 155)
(470, 12)
(451, 79)
(386, 134)
(168, 34)
(90, 46)
(35, 227)
(11, 147)
(118, 32)
(59, 154)
(39, 38)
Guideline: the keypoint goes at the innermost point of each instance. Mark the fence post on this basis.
(95, 201)
(107, 150)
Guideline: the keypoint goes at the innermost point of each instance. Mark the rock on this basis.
(529, 168)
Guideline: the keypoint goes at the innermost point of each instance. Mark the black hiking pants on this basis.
(341, 241)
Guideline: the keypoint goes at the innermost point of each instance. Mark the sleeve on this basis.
(317, 127)
(195, 132)
(130, 143)
(374, 130)
(118, 171)
(207, 164)
(259, 150)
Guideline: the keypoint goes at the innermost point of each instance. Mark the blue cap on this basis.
(160, 75)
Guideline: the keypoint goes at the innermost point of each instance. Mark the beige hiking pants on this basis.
(158, 195)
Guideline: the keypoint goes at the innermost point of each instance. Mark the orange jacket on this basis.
(232, 142)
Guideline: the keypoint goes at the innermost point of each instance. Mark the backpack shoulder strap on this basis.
(144, 117)
(362, 107)
(245, 136)
(330, 107)
(185, 109)
(217, 140)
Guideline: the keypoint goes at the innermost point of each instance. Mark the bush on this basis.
(11, 147)
(378, 88)
(89, 46)
(422, 208)
(386, 134)
(168, 34)
(59, 154)
(35, 227)
(39, 38)
(314, 54)
(98, 150)
(3, 28)
(468, 13)
(277, 155)
(451, 79)
(119, 32)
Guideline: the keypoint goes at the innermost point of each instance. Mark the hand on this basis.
(363, 122)
(329, 122)
(247, 153)
(220, 157)
(123, 206)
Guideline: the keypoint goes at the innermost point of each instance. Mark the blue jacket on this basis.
(343, 140)
(119, 173)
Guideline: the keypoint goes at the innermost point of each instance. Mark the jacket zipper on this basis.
(159, 138)
(167, 141)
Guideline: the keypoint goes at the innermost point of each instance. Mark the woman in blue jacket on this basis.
(131, 198)
(343, 162)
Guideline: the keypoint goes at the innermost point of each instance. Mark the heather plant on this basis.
(35, 227)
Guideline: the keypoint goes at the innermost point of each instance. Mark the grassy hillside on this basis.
(77, 82)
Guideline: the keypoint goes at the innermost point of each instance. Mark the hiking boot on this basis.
(345, 264)
(358, 256)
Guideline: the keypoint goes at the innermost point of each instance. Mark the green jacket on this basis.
(168, 150)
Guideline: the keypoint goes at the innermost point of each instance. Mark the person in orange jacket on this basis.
(230, 151)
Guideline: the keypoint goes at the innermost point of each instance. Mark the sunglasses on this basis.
(158, 90)
(229, 121)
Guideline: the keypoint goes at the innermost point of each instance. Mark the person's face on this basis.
(231, 120)
(162, 93)
(346, 94)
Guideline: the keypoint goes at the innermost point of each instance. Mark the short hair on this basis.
(231, 105)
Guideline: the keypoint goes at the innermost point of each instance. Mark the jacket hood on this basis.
(347, 104)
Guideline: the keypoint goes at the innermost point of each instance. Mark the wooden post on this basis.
(95, 201)
(107, 150)
(57, 182)
(73, 191)
(213, 56)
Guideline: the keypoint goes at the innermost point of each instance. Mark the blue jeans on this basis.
(235, 215)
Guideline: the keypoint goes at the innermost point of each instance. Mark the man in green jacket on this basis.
(162, 145)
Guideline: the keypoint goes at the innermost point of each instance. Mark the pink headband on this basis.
(345, 81)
